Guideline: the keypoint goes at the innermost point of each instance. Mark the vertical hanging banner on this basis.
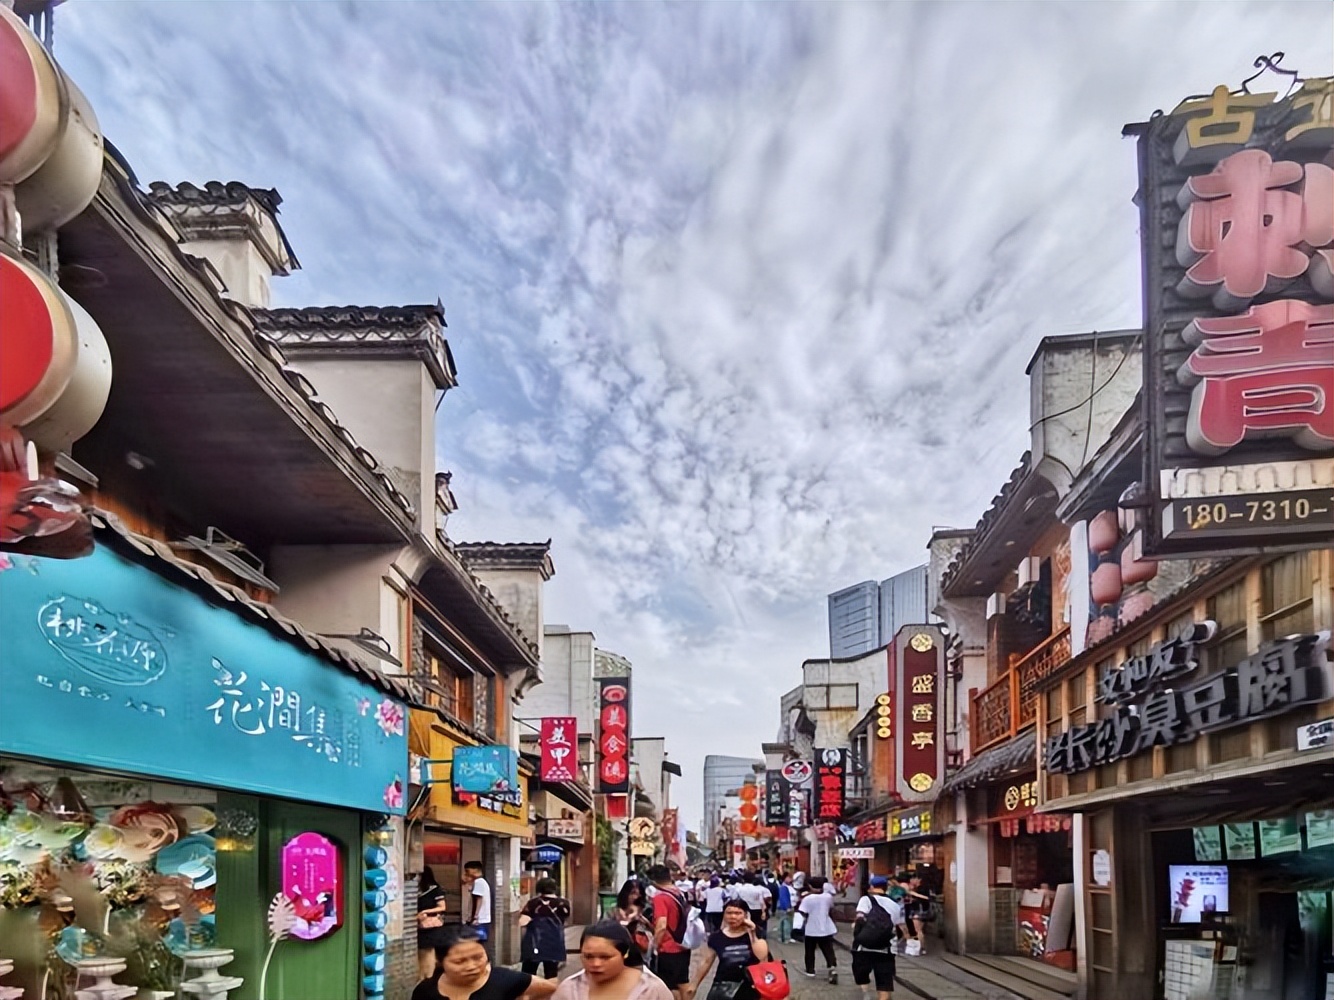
(775, 799)
(613, 735)
(1236, 201)
(831, 782)
(918, 741)
(560, 748)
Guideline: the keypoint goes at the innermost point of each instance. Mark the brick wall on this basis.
(401, 956)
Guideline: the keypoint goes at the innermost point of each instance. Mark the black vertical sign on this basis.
(831, 780)
(613, 735)
(775, 799)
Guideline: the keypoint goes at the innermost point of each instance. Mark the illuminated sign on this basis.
(1237, 226)
(919, 745)
(312, 868)
(613, 735)
(913, 823)
(560, 748)
(775, 798)
(831, 778)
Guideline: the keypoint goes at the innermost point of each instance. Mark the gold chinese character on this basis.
(1221, 119)
(1318, 95)
(923, 713)
(924, 684)
(921, 741)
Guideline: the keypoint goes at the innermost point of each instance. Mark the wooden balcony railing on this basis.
(1009, 703)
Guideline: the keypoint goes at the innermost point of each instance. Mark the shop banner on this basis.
(486, 770)
(613, 735)
(1320, 828)
(912, 823)
(566, 829)
(919, 745)
(1208, 843)
(560, 748)
(1240, 840)
(831, 776)
(1280, 836)
(104, 663)
(775, 799)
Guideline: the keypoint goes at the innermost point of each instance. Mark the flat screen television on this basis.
(1196, 890)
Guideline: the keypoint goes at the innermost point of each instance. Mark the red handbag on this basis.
(769, 980)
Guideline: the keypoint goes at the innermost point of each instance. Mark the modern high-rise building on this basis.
(867, 615)
(721, 776)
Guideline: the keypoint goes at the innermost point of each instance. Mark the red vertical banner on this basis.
(918, 735)
(560, 748)
(831, 782)
(613, 735)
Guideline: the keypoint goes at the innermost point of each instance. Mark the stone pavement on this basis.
(928, 977)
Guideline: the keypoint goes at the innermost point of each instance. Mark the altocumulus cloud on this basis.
(741, 294)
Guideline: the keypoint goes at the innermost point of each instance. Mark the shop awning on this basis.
(1014, 756)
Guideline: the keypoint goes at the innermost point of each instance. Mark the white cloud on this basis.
(741, 294)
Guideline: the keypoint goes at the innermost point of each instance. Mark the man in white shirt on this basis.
(757, 898)
(873, 940)
(479, 891)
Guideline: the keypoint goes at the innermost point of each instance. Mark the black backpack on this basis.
(876, 929)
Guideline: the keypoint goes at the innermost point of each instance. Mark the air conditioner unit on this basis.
(1030, 571)
(995, 605)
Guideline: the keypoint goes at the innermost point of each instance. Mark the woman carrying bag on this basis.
(740, 954)
(430, 922)
(542, 920)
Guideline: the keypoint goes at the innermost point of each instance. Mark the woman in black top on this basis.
(430, 921)
(543, 921)
(465, 973)
(736, 947)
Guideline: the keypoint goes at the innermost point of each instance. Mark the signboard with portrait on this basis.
(919, 745)
(1237, 227)
(613, 735)
(831, 778)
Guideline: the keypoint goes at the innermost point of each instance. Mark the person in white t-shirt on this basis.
(757, 898)
(479, 892)
(819, 929)
(873, 941)
(715, 896)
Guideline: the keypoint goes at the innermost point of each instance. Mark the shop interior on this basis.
(1033, 856)
(446, 854)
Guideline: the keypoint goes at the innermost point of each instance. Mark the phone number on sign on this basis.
(1297, 509)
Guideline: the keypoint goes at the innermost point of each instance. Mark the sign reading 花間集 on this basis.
(156, 680)
(1151, 700)
(1237, 224)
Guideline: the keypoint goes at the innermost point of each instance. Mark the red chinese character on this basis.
(1241, 228)
(1266, 373)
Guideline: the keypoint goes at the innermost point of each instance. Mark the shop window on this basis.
(1228, 609)
(449, 684)
(1286, 592)
(1075, 696)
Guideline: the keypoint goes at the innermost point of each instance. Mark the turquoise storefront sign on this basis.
(105, 663)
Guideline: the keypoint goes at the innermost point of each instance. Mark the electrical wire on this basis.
(1091, 396)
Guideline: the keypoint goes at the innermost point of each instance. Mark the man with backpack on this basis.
(873, 933)
(671, 915)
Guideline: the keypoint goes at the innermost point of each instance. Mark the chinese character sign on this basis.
(613, 735)
(313, 880)
(831, 781)
(158, 681)
(920, 676)
(775, 799)
(485, 770)
(1237, 228)
(560, 748)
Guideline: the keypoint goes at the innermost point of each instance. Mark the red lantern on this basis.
(1105, 584)
(1104, 532)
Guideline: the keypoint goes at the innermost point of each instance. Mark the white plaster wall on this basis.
(389, 406)
(973, 907)
(567, 680)
(519, 591)
(243, 270)
(649, 753)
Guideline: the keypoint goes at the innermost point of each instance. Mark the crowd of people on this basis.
(641, 948)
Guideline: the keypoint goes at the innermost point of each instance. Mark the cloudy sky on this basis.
(741, 295)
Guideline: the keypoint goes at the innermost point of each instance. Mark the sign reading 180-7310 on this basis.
(1249, 514)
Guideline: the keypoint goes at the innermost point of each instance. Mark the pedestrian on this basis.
(431, 909)
(873, 931)
(784, 910)
(670, 913)
(465, 970)
(479, 893)
(753, 893)
(714, 898)
(613, 969)
(632, 912)
(798, 880)
(542, 921)
(736, 947)
(819, 929)
(917, 909)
